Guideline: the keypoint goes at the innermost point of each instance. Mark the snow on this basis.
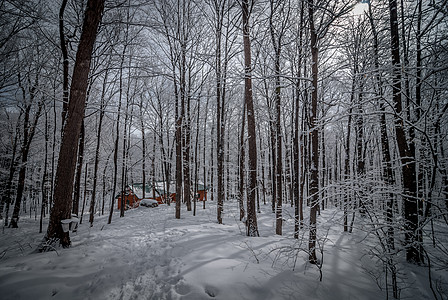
(149, 202)
(149, 254)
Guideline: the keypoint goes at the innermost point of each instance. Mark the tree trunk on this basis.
(347, 158)
(414, 250)
(124, 174)
(97, 150)
(196, 162)
(67, 155)
(77, 189)
(44, 177)
(178, 162)
(219, 119)
(117, 132)
(63, 42)
(252, 226)
(204, 152)
(276, 42)
(385, 151)
(242, 158)
(186, 153)
(142, 125)
(314, 178)
(84, 195)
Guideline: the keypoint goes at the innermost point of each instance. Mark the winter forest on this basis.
(291, 148)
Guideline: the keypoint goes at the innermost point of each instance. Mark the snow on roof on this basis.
(160, 188)
(137, 189)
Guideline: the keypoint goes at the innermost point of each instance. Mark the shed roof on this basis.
(159, 187)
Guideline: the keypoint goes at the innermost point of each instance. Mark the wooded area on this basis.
(314, 104)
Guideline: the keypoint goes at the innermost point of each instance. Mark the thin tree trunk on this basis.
(212, 162)
(324, 174)
(252, 226)
(296, 157)
(204, 152)
(77, 189)
(196, 161)
(44, 177)
(219, 123)
(117, 137)
(104, 184)
(314, 182)
(97, 150)
(179, 121)
(84, 196)
(278, 132)
(347, 159)
(124, 161)
(186, 153)
(63, 42)
(142, 128)
(242, 158)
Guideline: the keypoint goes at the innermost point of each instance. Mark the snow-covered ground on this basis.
(149, 254)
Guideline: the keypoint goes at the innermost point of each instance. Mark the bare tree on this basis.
(278, 10)
(414, 250)
(314, 179)
(68, 152)
(29, 129)
(252, 226)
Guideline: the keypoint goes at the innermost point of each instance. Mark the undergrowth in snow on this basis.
(149, 254)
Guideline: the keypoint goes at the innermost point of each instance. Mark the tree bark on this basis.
(63, 42)
(77, 188)
(387, 173)
(117, 132)
(43, 187)
(414, 250)
(97, 150)
(314, 178)
(219, 12)
(67, 155)
(277, 42)
(241, 169)
(252, 226)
